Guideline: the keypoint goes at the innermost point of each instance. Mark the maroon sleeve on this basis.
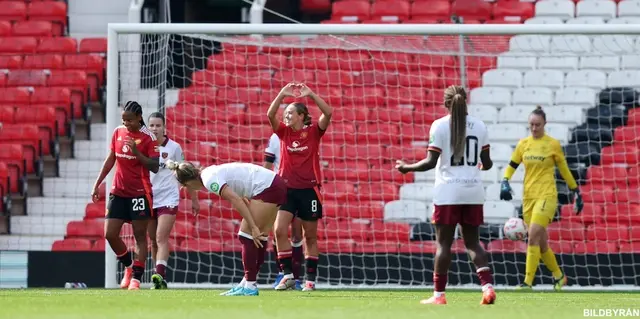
(281, 130)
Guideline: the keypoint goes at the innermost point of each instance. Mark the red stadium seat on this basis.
(34, 29)
(373, 96)
(378, 133)
(629, 248)
(420, 247)
(59, 97)
(95, 210)
(340, 133)
(92, 64)
(201, 245)
(373, 210)
(315, 6)
(43, 61)
(12, 156)
(597, 193)
(566, 231)
(72, 244)
(183, 229)
(232, 114)
(75, 80)
(484, 63)
(255, 133)
(363, 153)
(238, 152)
(350, 114)
(93, 45)
(513, 11)
(14, 96)
(595, 247)
(45, 119)
(345, 230)
(26, 78)
(13, 10)
(331, 151)
(55, 11)
(57, 45)
(260, 78)
(310, 60)
(229, 61)
(246, 96)
(216, 228)
(338, 191)
(472, 9)
(627, 134)
(591, 213)
(384, 172)
(619, 154)
(5, 28)
(18, 45)
(267, 61)
(628, 195)
(507, 246)
(198, 95)
(610, 175)
(393, 10)
(608, 232)
(347, 171)
(7, 114)
(377, 191)
(282, 77)
(415, 133)
(561, 247)
(622, 213)
(335, 78)
(350, 60)
(358, 10)
(385, 231)
(4, 179)
(29, 136)
(406, 95)
(432, 9)
(10, 62)
(380, 247)
(86, 229)
(405, 152)
(420, 78)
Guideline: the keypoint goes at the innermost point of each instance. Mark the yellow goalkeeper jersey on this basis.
(540, 157)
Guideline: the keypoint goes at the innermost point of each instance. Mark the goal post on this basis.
(385, 83)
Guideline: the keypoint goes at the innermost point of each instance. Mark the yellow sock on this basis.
(549, 260)
(533, 260)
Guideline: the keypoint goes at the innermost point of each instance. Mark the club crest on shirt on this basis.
(303, 135)
(165, 155)
(214, 187)
(138, 141)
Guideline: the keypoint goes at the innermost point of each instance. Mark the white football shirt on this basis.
(458, 181)
(166, 190)
(273, 149)
(246, 180)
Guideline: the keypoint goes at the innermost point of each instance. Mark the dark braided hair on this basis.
(135, 108)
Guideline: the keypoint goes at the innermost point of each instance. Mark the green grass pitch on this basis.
(196, 304)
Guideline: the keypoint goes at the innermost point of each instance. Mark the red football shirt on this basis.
(131, 177)
(299, 156)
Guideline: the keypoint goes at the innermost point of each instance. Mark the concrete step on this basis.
(27, 243)
(57, 206)
(40, 225)
(80, 168)
(91, 150)
(68, 187)
(99, 132)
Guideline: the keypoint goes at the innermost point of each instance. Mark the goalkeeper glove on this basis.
(578, 203)
(505, 190)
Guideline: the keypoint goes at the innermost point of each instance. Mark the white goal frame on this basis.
(112, 87)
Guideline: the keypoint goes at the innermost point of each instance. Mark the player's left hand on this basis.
(132, 145)
(258, 236)
(578, 203)
(402, 166)
(195, 206)
(304, 90)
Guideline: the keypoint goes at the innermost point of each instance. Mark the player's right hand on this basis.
(258, 236)
(288, 90)
(95, 195)
(505, 190)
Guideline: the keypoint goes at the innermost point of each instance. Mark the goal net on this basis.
(386, 86)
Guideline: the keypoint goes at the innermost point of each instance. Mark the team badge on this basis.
(303, 135)
(138, 141)
(165, 155)
(214, 187)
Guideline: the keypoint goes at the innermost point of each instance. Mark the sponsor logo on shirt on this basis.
(295, 147)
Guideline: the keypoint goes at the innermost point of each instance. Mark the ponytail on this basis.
(455, 99)
(184, 172)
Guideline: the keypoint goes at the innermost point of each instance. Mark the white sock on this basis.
(487, 286)
(161, 262)
(288, 276)
(250, 284)
(280, 273)
(242, 282)
(438, 293)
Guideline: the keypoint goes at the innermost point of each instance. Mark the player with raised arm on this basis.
(272, 161)
(255, 192)
(166, 197)
(300, 169)
(135, 151)
(458, 149)
(541, 154)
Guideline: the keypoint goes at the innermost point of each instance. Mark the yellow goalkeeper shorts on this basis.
(539, 211)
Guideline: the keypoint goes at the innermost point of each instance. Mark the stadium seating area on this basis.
(384, 104)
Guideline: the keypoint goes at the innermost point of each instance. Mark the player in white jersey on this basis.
(166, 197)
(458, 150)
(256, 193)
(272, 161)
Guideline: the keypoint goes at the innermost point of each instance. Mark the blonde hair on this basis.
(184, 172)
(455, 99)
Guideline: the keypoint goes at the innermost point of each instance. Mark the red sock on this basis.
(138, 269)
(297, 257)
(484, 274)
(249, 258)
(261, 254)
(161, 270)
(284, 258)
(439, 282)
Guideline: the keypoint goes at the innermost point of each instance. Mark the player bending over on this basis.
(457, 144)
(166, 197)
(265, 192)
(300, 169)
(135, 151)
(272, 161)
(540, 154)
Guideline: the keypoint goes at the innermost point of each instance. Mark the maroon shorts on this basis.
(274, 194)
(165, 210)
(472, 215)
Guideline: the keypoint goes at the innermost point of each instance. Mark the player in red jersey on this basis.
(135, 151)
(458, 150)
(300, 168)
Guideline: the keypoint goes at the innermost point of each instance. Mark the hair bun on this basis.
(172, 165)
(538, 107)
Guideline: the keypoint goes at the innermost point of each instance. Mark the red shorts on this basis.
(165, 210)
(472, 215)
(274, 194)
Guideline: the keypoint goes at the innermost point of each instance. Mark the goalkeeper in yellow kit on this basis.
(540, 154)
